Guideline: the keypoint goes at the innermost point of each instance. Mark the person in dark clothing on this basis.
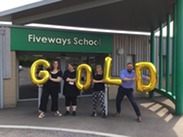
(70, 90)
(98, 91)
(52, 88)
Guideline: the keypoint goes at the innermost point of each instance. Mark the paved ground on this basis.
(158, 120)
(43, 133)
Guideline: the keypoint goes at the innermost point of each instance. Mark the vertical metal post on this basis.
(168, 55)
(151, 95)
(179, 57)
(174, 52)
(152, 47)
(1, 70)
(106, 99)
(63, 66)
(40, 89)
(160, 57)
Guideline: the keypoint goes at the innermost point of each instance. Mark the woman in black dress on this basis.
(52, 88)
(70, 90)
(98, 91)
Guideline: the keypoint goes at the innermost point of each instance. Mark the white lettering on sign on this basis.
(37, 39)
(85, 41)
(64, 41)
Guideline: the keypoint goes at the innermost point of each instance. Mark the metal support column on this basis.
(160, 57)
(168, 55)
(179, 57)
(151, 95)
(174, 52)
(1, 70)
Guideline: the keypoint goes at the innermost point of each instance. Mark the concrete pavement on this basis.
(158, 120)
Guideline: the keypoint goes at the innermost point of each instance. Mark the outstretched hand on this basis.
(147, 78)
(135, 79)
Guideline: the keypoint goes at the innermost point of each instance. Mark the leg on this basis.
(67, 105)
(54, 105)
(67, 101)
(74, 105)
(54, 98)
(44, 99)
(95, 96)
(101, 97)
(130, 96)
(119, 98)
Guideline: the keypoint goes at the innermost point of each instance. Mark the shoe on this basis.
(94, 114)
(117, 114)
(103, 115)
(57, 113)
(74, 113)
(66, 113)
(41, 115)
(139, 119)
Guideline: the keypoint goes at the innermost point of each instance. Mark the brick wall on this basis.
(10, 85)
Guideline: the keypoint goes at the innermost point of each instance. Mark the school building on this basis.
(18, 41)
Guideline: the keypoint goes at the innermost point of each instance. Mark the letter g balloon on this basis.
(43, 73)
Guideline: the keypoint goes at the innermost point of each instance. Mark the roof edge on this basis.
(27, 7)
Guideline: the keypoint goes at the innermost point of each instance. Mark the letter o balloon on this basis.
(86, 85)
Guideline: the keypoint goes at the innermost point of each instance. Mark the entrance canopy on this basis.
(136, 15)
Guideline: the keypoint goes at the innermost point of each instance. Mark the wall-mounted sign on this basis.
(27, 39)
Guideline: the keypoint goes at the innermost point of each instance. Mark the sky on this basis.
(9, 4)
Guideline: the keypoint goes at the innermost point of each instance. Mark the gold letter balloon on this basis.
(107, 73)
(153, 79)
(43, 73)
(79, 84)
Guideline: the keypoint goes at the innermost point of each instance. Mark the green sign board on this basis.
(28, 39)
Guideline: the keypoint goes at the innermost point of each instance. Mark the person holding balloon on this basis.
(126, 88)
(70, 91)
(52, 88)
(98, 91)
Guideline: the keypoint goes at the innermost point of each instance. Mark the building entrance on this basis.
(29, 91)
